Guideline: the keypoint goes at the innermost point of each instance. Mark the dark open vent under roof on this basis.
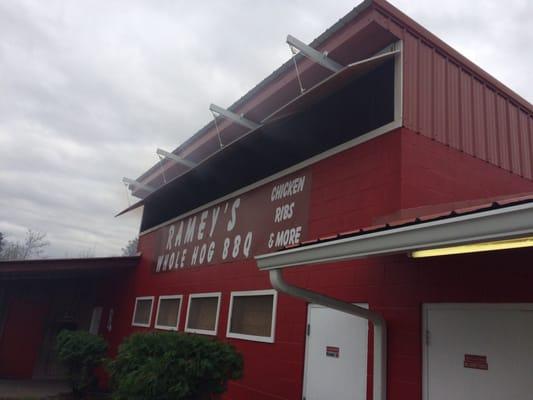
(363, 104)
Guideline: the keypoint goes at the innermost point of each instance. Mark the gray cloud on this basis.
(90, 89)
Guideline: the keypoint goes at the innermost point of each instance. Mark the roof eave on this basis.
(499, 224)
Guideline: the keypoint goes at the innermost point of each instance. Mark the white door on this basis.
(478, 352)
(336, 355)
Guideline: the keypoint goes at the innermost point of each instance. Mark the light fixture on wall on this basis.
(516, 243)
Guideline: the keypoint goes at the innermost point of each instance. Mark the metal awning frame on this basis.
(394, 50)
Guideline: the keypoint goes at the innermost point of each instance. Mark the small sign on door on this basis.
(332, 351)
(476, 362)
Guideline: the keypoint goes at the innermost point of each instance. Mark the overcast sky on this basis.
(89, 90)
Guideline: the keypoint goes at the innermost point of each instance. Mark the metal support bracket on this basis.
(234, 117)
(176, 158)
(133, 182)
(315, 55)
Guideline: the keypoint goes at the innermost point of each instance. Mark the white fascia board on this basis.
(498, 224)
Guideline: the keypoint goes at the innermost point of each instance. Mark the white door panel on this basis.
(482, 352)
(336, 355)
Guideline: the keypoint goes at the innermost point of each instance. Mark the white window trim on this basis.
(137, 299)
(167, 327)
(203, 295)
(255, 338)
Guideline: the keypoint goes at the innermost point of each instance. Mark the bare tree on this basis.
(131, 247)
(86, 253)
(2, 243)
(32, 246)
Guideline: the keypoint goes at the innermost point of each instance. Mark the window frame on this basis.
(168, 327)
(137, 299)
(254, 338)
(192, 296)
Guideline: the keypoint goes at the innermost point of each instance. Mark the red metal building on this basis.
(399, 133)
(397, 145)
(398, 140)
(39, 298)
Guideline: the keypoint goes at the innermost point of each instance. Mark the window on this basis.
(142, 314)
(253, 315)
(202, 313)
(168, 312)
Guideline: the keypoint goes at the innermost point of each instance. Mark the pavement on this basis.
(31, 389)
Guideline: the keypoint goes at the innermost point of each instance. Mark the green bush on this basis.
(172, 365)
(81, 352)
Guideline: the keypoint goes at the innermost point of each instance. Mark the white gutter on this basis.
(498, 224)
(503, 223)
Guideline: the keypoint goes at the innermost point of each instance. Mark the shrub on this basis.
(172, 365)
(81, 352)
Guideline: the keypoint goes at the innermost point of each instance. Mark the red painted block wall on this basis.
(352, 189)
(22, 334)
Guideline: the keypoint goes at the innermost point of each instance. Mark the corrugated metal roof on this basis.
(483, 205)
(61, 267)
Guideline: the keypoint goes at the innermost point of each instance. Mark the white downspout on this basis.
(380, 328)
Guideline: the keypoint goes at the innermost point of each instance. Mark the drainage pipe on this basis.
(380, 328)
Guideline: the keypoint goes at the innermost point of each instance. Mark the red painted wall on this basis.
(22, 334)
(433, 173)
(353, 189)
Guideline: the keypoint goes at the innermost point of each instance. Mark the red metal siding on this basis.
(453, 119)
(410, 90)
(467, 122)
(525, 144)
(503, 132)
(444, 99)
(438, 117)
(480, 139)
(491, 130)
(425, 88)
(515, 139)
